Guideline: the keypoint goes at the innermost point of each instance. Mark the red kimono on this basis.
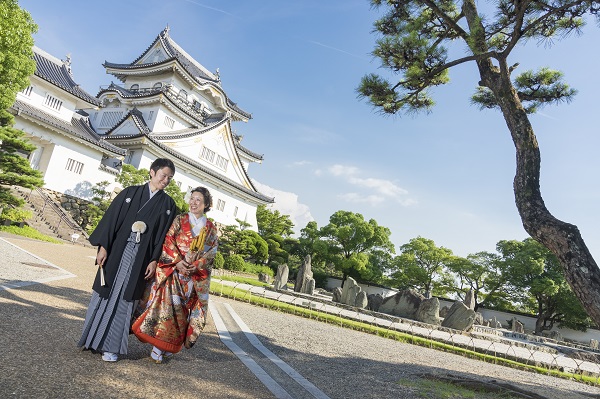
(174, 307)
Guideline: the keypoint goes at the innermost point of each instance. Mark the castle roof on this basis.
(174, 53)
(156, 138)
(58, 73)
(78, 128)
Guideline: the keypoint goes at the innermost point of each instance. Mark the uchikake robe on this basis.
(173, 310)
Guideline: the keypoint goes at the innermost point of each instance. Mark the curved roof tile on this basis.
(189, 64)
(79, 126)
(254, 193)
(58, 74)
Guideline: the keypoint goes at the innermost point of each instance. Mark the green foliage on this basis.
(257, 269)
(234, 262)
(273, 223)
(16, 214)
(415, 39)
(29, 232)
(130, 176)
(351, 239)
(219, 261)
(537, 285)
(178, 196)
(310, 243)
(16, 55)
(535, 90)
(481, 272)
(100, 202)
(245, 243)
(276, 230)
(421, 266)
(14, 166)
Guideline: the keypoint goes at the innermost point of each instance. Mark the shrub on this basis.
(234, 262)
(16, 214)
(219, 261)
(257, 269)
(29, 232)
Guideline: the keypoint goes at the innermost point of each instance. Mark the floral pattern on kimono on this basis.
(174, 306)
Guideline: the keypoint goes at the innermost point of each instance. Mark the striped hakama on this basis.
(108, 320)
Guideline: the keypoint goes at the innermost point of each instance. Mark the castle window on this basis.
(220, 205)
(157, 85)
(74, 166)
(208, 154)
(222, 162)
(135, 87)
(52, 102)
(169, 122)
(150, 115)
(235, 211)
(27, 91)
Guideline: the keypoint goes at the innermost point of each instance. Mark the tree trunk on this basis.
(562, 239)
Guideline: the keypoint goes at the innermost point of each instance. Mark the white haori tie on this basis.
(138, 227)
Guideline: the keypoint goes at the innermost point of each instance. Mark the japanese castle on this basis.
(166, 105)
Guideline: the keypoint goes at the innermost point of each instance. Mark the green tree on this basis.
(246, 243)
(100, 202)
(16, 65)
(311, 243)
(421, 265)
(16, 54)
(415, 41)
(275, 228)
(481, 272)
(130, 176)
(273, 223)
(14, 167)
(351, 240)
(537, 285)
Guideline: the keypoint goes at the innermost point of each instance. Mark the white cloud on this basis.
(287, 203)
(381, 189)
(342, 170)
(299, 164)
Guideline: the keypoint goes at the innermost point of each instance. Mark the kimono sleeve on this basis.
(170, 250)
(106, 231)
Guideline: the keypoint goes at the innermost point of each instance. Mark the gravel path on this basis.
(351, 364)
(41, 323)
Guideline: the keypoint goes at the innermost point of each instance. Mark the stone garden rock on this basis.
(281, 278)
(459, 317)
(429, 311)
(403, 304)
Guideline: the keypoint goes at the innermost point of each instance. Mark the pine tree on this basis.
(16, 65)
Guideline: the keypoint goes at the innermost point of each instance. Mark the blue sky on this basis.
(295, 66)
